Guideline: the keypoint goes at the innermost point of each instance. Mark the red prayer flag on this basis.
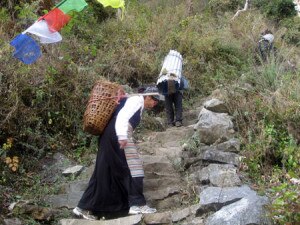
(56, 19)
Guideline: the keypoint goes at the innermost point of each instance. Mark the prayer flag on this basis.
(69, 5)
(56, 19)
(26, 49)
(41, 29)
(113, 3)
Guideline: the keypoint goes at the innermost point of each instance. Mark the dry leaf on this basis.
(15, 159)
(7, 160)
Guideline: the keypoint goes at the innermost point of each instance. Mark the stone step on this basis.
(166, 217)
(171, 134)
(190, 117)
(159, 183)
(128, 220)
(170, 149)
(169, 152)
(162, 193)
(156, 166)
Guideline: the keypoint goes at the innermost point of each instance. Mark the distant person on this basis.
(116, 186)
(265, 45)
(173, 105)
(171, 84)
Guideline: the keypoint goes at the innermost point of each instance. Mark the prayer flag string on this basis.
(45, 29)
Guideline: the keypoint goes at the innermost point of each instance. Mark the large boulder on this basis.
(213, 126)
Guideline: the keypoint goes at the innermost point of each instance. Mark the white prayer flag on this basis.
(41, 29)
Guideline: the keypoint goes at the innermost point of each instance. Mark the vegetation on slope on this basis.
(41, 105)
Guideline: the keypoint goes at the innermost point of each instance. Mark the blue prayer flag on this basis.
(26, 49)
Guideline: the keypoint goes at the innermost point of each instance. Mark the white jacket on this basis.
(132, 105)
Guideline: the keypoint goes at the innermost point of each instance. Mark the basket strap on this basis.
(118, 97)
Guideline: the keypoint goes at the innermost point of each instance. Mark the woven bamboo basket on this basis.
(102, 103)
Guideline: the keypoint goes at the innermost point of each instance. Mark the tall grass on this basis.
(41, 105)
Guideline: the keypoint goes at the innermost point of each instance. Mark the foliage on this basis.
(292, 34)
(41, 105)
(225, 5)
(285, 207)
(192, 145)
(277, 9)
(265, 151)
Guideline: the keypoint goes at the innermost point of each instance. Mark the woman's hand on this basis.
(122, 143)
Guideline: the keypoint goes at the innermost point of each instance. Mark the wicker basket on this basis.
(102, 103)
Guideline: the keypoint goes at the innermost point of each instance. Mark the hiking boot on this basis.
(146, 209)
(178, 123)
(84, 213)
(134, 210)
(171, 124)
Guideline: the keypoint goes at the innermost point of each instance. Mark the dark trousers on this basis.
(136, 196)
(173, 104)
(265, 49)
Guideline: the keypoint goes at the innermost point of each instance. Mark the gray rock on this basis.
(223, 157)
(78, 186)
(129, 220)
(223, 196)
(216, 198)
(162, 193)
(156, 166)
(13, 221)
(168, 203)
(172, 151)
(158, 218)
(248, 210)
(75, 170)
(194, 221)
(180, 214)
(190, 117)
(216, 105)
(220, 175)
(195, 208)
(170, 135)
(232, 145)
(53, 167)
(69, 200)
(154, 184)
(213, 126)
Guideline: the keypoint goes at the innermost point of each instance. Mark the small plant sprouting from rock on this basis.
(192, 144)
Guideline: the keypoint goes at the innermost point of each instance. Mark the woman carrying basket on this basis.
(116, 185)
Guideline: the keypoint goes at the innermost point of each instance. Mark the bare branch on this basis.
(189, 7)
(241, 10)
(14, 108)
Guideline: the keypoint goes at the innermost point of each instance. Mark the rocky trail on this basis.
(191, 176)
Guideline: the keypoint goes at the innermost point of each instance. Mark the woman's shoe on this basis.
(141, 209)
(146, 209)
(134, 210)
(84, 213)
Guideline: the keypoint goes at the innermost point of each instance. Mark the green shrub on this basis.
(285, 207)
(292, 34)
(277, 9)
(42, 104)
(225, 5)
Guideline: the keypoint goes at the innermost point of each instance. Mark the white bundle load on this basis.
(268, 37)
(172, 67)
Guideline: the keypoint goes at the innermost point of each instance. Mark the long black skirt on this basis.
(107, 191)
